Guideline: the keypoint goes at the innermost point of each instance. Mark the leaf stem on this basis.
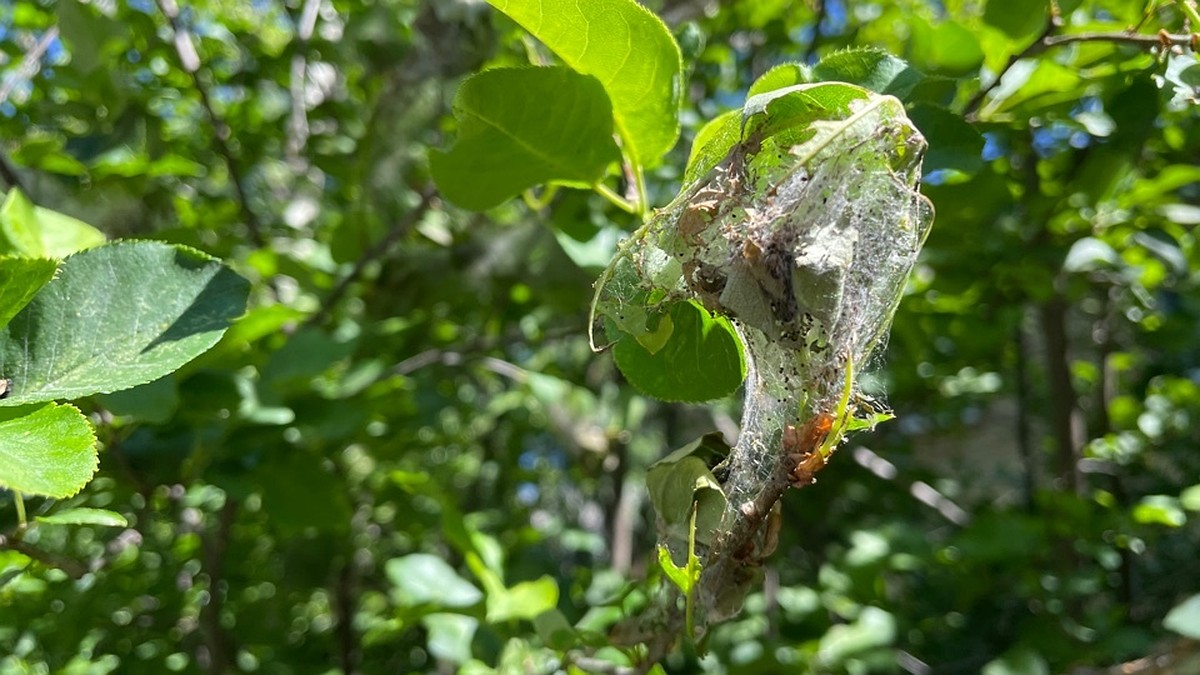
(620, 202)
(20, 502)
(1190, 11)
(643, 198)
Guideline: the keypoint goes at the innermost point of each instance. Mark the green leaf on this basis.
(701, 360)
(424, 579)
(1018, 661)
(525, 600)
(948, 47)
(628, 49)
(1184, 618)
(1159, 510)
(682, 478)
(1020, 20)
(20, 280)
(782, 75)
(85, 516)
(118, 316)
(874, 628)
(521, 127)
(873, 69)
(712, 144)
(450, 636)
(555, 631)
(1190, 498)
(954, 144)
(154, 402)
(47, 450)
(32, 231)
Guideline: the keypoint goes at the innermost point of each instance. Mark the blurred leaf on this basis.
(701, 360)
(84, 516)
(627, 48)
(1159, 510)
(1019, 661)
(526, 600)
(954, 144)
(154, 402)
(521, 127)
(1190, 498)
(450, 636)
(554, 630)
(1184, 618)
(947, 47)
(118, 316)
(423, 579)
(872, 629)
(1020, 20)
(46, 450)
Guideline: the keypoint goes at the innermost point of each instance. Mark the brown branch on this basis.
(189, 60)
(217, 650)
(30, 64)
(379, 250)
(1066, 422)
(73, 568)
(1048, 40)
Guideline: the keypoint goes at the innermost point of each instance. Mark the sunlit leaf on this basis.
(521, 127)
(46, 450)
(628, 49)
(117, 316)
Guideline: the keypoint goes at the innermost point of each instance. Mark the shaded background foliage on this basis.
(406, 452)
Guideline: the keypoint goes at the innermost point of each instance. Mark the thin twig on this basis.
(1048, 40)
(73, 568)
(1033, 48)
(1162, 38)
(379, 250)
(189, 60)
(30, 64)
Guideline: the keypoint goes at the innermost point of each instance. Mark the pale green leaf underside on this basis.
(20, 280)
(521, 127)
(47, 450)
(118, 316)
(84, 516)
(628, 48)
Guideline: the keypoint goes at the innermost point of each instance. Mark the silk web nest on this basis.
(803, 234)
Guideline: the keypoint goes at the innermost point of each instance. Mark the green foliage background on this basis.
(405, 454)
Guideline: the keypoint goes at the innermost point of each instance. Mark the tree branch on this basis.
(379, 250)
(1048, 40)
(189, 60)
